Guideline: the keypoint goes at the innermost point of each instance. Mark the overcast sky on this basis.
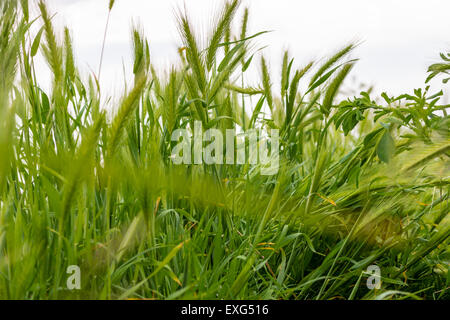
(399, 38)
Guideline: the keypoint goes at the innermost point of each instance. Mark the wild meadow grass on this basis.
(362, 181)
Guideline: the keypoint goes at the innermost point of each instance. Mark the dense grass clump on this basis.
(362, 180)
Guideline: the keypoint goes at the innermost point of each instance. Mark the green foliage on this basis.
(363, 180)
(386, 147)
(438, 68)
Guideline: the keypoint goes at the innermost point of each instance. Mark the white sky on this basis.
(399, 38)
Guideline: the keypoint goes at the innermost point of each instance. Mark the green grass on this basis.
(362, 181)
